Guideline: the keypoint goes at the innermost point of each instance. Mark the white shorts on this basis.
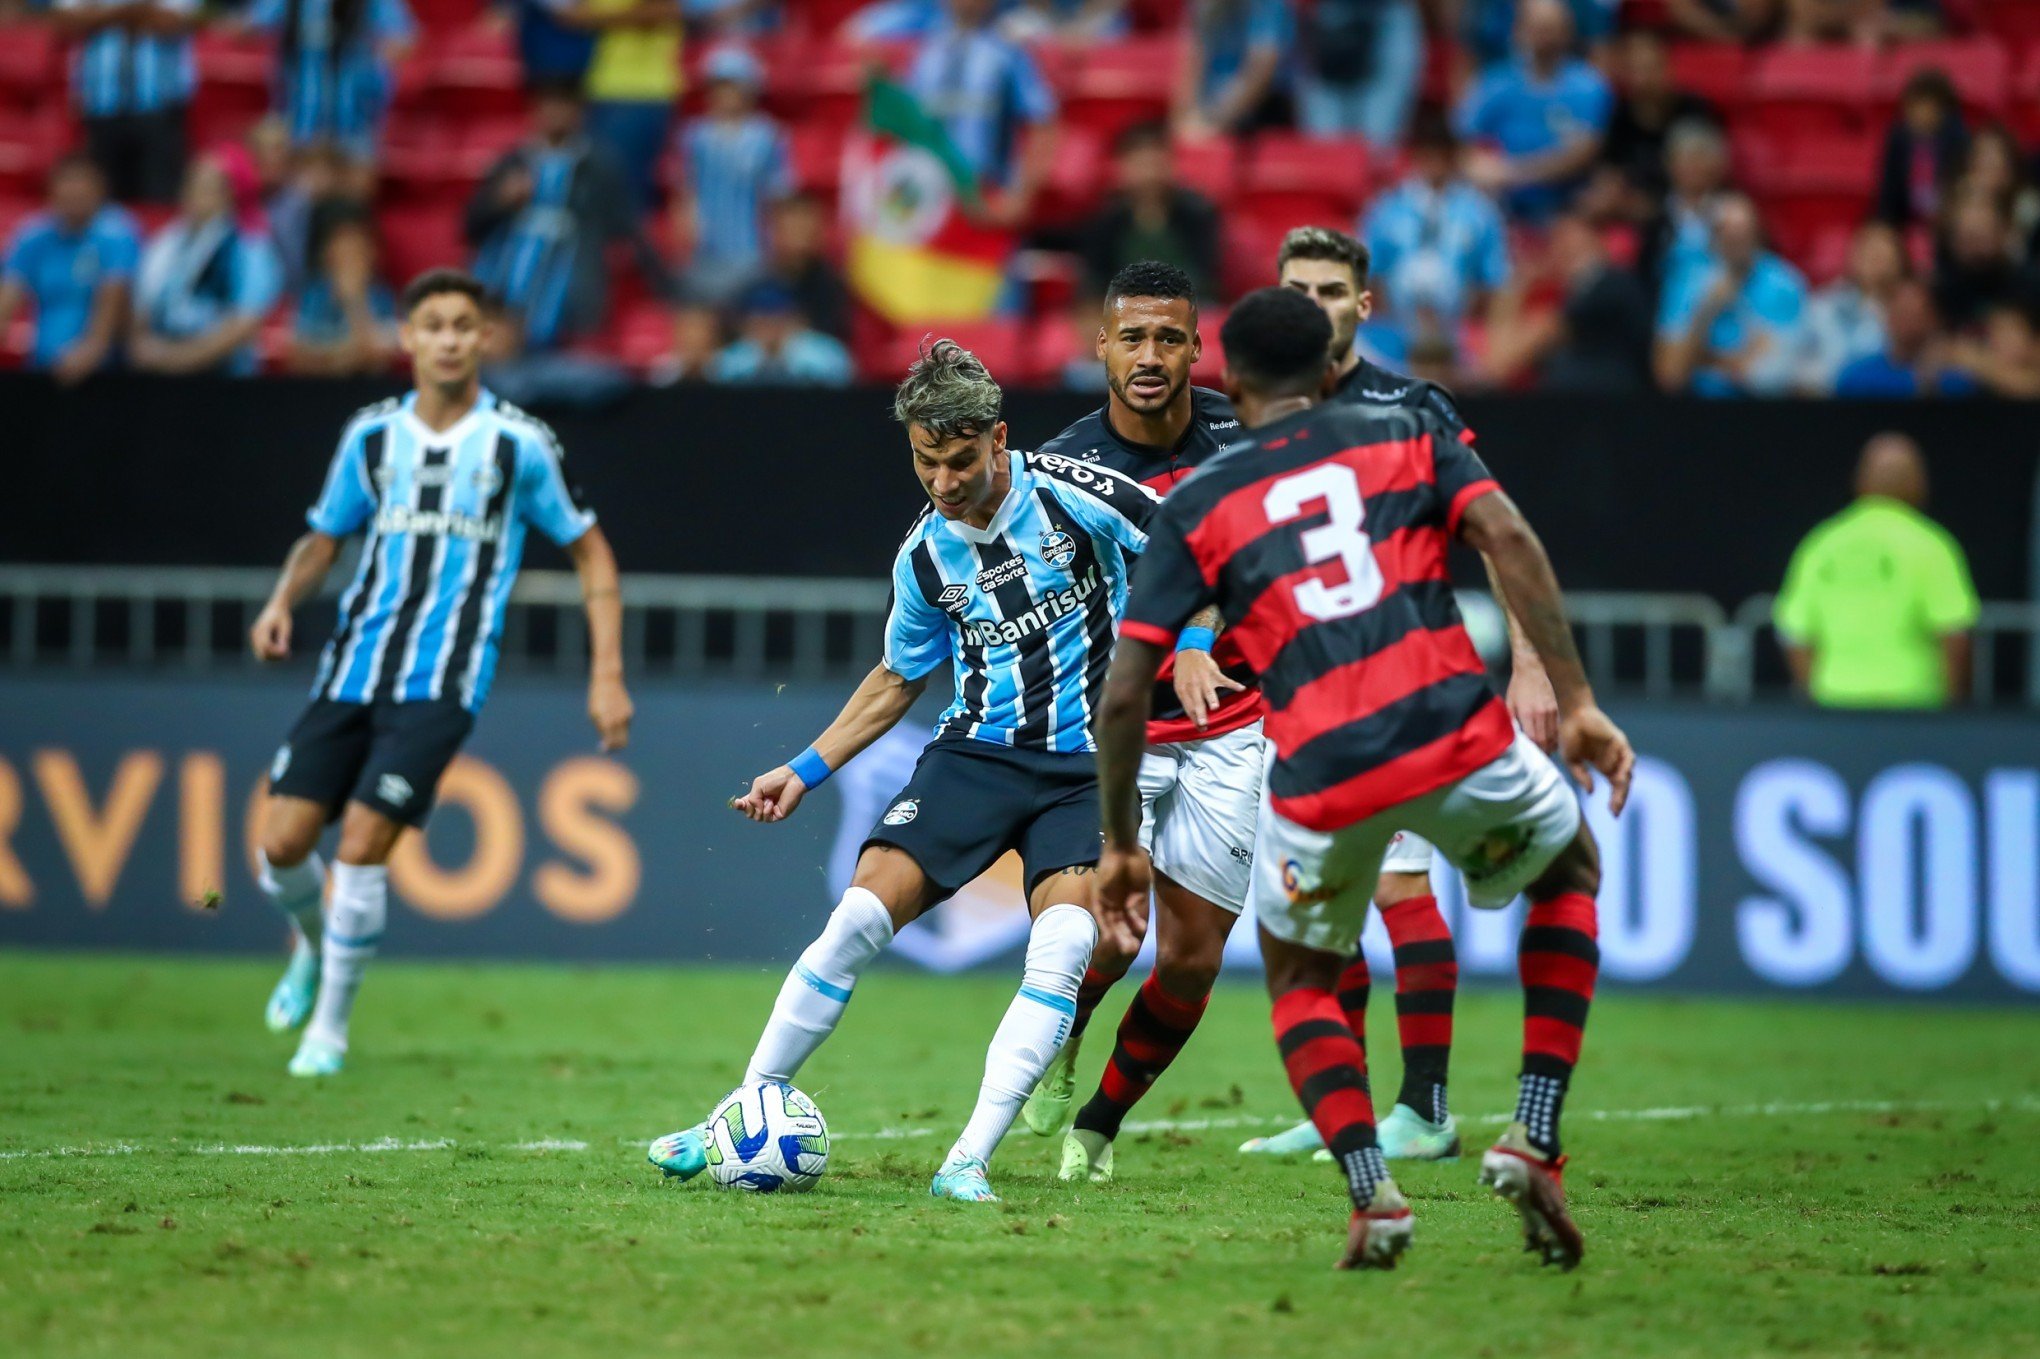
(1407, 853)
(1200, 802)
(1500, 826)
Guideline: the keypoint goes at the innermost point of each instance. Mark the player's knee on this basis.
(1187, 969)
(1395, 888)
(288, 841)
(366, 837)
(1576, 871)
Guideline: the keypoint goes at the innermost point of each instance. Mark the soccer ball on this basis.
(766, 1137)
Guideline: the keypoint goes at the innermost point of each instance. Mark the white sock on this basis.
(353, 929)
(297, 892)
(1034, 1029)
(814, 995)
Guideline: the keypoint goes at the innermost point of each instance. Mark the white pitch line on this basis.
(1668, 1113)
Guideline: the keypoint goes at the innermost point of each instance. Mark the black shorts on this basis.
(387, 756)
(971, 801)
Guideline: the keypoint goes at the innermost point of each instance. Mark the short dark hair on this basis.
(434, 282)
(1150, 132)
(1277, 341)
(1931, 82)
(1432, 131)
(1325, 243)
(1151, 278)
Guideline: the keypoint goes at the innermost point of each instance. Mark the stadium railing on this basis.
(1657, 646)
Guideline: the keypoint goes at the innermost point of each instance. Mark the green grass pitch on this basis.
(146, 1209)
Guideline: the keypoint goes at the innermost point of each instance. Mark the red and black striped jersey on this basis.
(1213, 428)
(1323, 540)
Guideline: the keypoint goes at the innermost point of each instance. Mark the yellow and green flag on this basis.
(918, 251)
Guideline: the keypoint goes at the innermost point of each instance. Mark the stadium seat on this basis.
(31, 64)
(419, 162)
(1076, 180)
(2025, 110)
(1813, 186)
(418, 237)
(1117, 84)
(230, 60)
(1713, 70)
(1249, 240)
(14, 210)
(643, 333)
(1981, 69)
(821, 18)
(445, 16)
(1804, 89)
(1210, 365)
(1310, 179)
(30, 143)
(1052, 279)
(999, 341)
(817, 152)
(2014, 22)
(1210, 166)
(477, 73)
(1054, 341)
(823, 81)
(482, 141)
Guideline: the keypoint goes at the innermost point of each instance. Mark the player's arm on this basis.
(1588, 740)
(86, 353)
(875, 708)
(1200, 684)
(1531, 700)
(310, 558)
(609, 705)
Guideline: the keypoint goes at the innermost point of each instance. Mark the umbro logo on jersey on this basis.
(953, 598)
(1058, 549)
(1005, 573)
(394, 789)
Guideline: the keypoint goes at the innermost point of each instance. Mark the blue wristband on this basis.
(1196, 639)
(810, 768)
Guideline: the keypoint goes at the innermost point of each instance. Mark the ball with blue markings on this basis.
(767, 1137)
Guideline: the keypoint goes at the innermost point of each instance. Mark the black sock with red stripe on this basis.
(1090, 991)
(1155, 1028)
(1328, 1072)
(1426, 984)
(1559, 959)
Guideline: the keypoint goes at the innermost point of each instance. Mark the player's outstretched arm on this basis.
(609, 705)
(1587, 739)
(310, 558)
(1121, 736)
(1200, 684)
(1531, 701)
(874, 709)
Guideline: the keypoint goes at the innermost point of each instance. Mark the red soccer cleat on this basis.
(1520, 1173)
(1380, 1232)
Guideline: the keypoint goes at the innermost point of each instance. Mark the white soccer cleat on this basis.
(1379, 1233)
(1534, 1184)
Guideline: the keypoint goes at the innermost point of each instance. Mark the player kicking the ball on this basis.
(445, 483)
(1323, 541)
(1014, 573)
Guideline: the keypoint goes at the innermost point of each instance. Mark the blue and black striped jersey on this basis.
(1026, 608)
(445, 516)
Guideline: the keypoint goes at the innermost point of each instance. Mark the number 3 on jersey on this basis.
(1342, 538)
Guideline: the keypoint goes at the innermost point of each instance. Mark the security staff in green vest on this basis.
(1877, 606)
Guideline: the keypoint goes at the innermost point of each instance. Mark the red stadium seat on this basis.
(417, 238)
(1812, 186)
(1210, 365)
(31, 66)
(998, 341)
(1211, 167)
(821, 18)
(817, 151)
(1248, 242)
(445, 16)
(1052, 279)
(1713, 70)
(419, 159)
(476, 71)
(643, 332)
(2025, 112)
(2014, 22)
(1803, 89)
(483, 142)
(823, 81)
(227, 59)
(1118, 84)
(1307, 178)
(13, 212)
(1076, 180)
(1981, 69)
(1054, 341)
(29, 144)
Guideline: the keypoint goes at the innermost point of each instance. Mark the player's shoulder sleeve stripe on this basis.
(372, 413)
(1094, 479)
(529, 429)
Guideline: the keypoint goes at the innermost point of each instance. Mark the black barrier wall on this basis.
(1764, 849)
(1633, 494)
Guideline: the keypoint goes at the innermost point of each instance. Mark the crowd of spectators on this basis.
(1547, 204)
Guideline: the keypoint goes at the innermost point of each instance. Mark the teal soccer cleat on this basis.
(1302, 1138)
(1406, 1135)
(290, 1004)
(963, 1181)
(317, 1058)
(682, 1155)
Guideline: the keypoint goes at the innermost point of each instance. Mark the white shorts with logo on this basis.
(1200, 803)
(1407, 853)
(1500, 826)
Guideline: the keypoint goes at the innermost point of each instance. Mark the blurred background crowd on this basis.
(1725, 197)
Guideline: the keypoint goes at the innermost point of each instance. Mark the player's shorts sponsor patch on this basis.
(903, 811)
(1304, 887)
(394, 789)
(280, 763)
(1058, 549)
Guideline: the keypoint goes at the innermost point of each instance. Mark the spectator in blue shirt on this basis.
(1912, 361)
(75, 263)
(333, 66)
(209, 277)
(990, 98)
(775, 345)
(1540, 119)
(1439, 247)
(1732, 327)
(1488, 25)
(1845, 320)
(734, 165)
(550, 44)
(132, 77)
(346, 322)
(1236, 66)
